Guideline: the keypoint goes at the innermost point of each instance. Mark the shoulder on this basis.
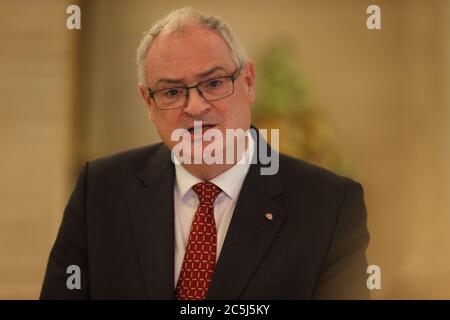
(124, 163)
(300, 175)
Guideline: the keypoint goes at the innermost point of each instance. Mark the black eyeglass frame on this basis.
(232, 77)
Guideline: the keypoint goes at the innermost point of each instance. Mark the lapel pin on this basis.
(269, 216)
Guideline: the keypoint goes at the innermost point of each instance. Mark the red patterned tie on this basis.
(200, 257)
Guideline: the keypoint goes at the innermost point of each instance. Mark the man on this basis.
(139, 226)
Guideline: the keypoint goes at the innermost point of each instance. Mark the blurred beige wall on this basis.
(36, 110)
(71, 96)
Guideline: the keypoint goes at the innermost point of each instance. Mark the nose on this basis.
(196, 105)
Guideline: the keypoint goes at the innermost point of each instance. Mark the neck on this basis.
(207, 172)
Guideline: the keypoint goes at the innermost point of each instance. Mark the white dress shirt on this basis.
(186, 202)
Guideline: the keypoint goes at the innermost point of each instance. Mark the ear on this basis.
(148, 101)
(249, 79)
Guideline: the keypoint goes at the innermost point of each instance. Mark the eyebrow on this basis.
(200, 75)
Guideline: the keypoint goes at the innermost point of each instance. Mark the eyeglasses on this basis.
(210, 90)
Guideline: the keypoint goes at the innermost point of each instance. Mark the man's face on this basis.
(184, 59)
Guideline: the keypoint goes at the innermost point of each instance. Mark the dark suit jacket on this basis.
(118, 227)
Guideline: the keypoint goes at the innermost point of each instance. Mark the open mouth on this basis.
(203, 128)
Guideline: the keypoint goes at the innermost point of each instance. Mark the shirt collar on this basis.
(229, 181)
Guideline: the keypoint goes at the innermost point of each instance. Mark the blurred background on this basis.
(370, 104)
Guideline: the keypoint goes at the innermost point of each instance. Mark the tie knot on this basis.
(207, 192)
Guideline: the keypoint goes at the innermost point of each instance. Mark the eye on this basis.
(172, 93)
(216, 83)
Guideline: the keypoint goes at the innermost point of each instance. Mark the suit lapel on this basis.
(249, 235)
(248, 238)
(153, 224)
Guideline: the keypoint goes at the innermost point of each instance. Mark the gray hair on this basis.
(178, 20)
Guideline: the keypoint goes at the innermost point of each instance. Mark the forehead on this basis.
(183, 54)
